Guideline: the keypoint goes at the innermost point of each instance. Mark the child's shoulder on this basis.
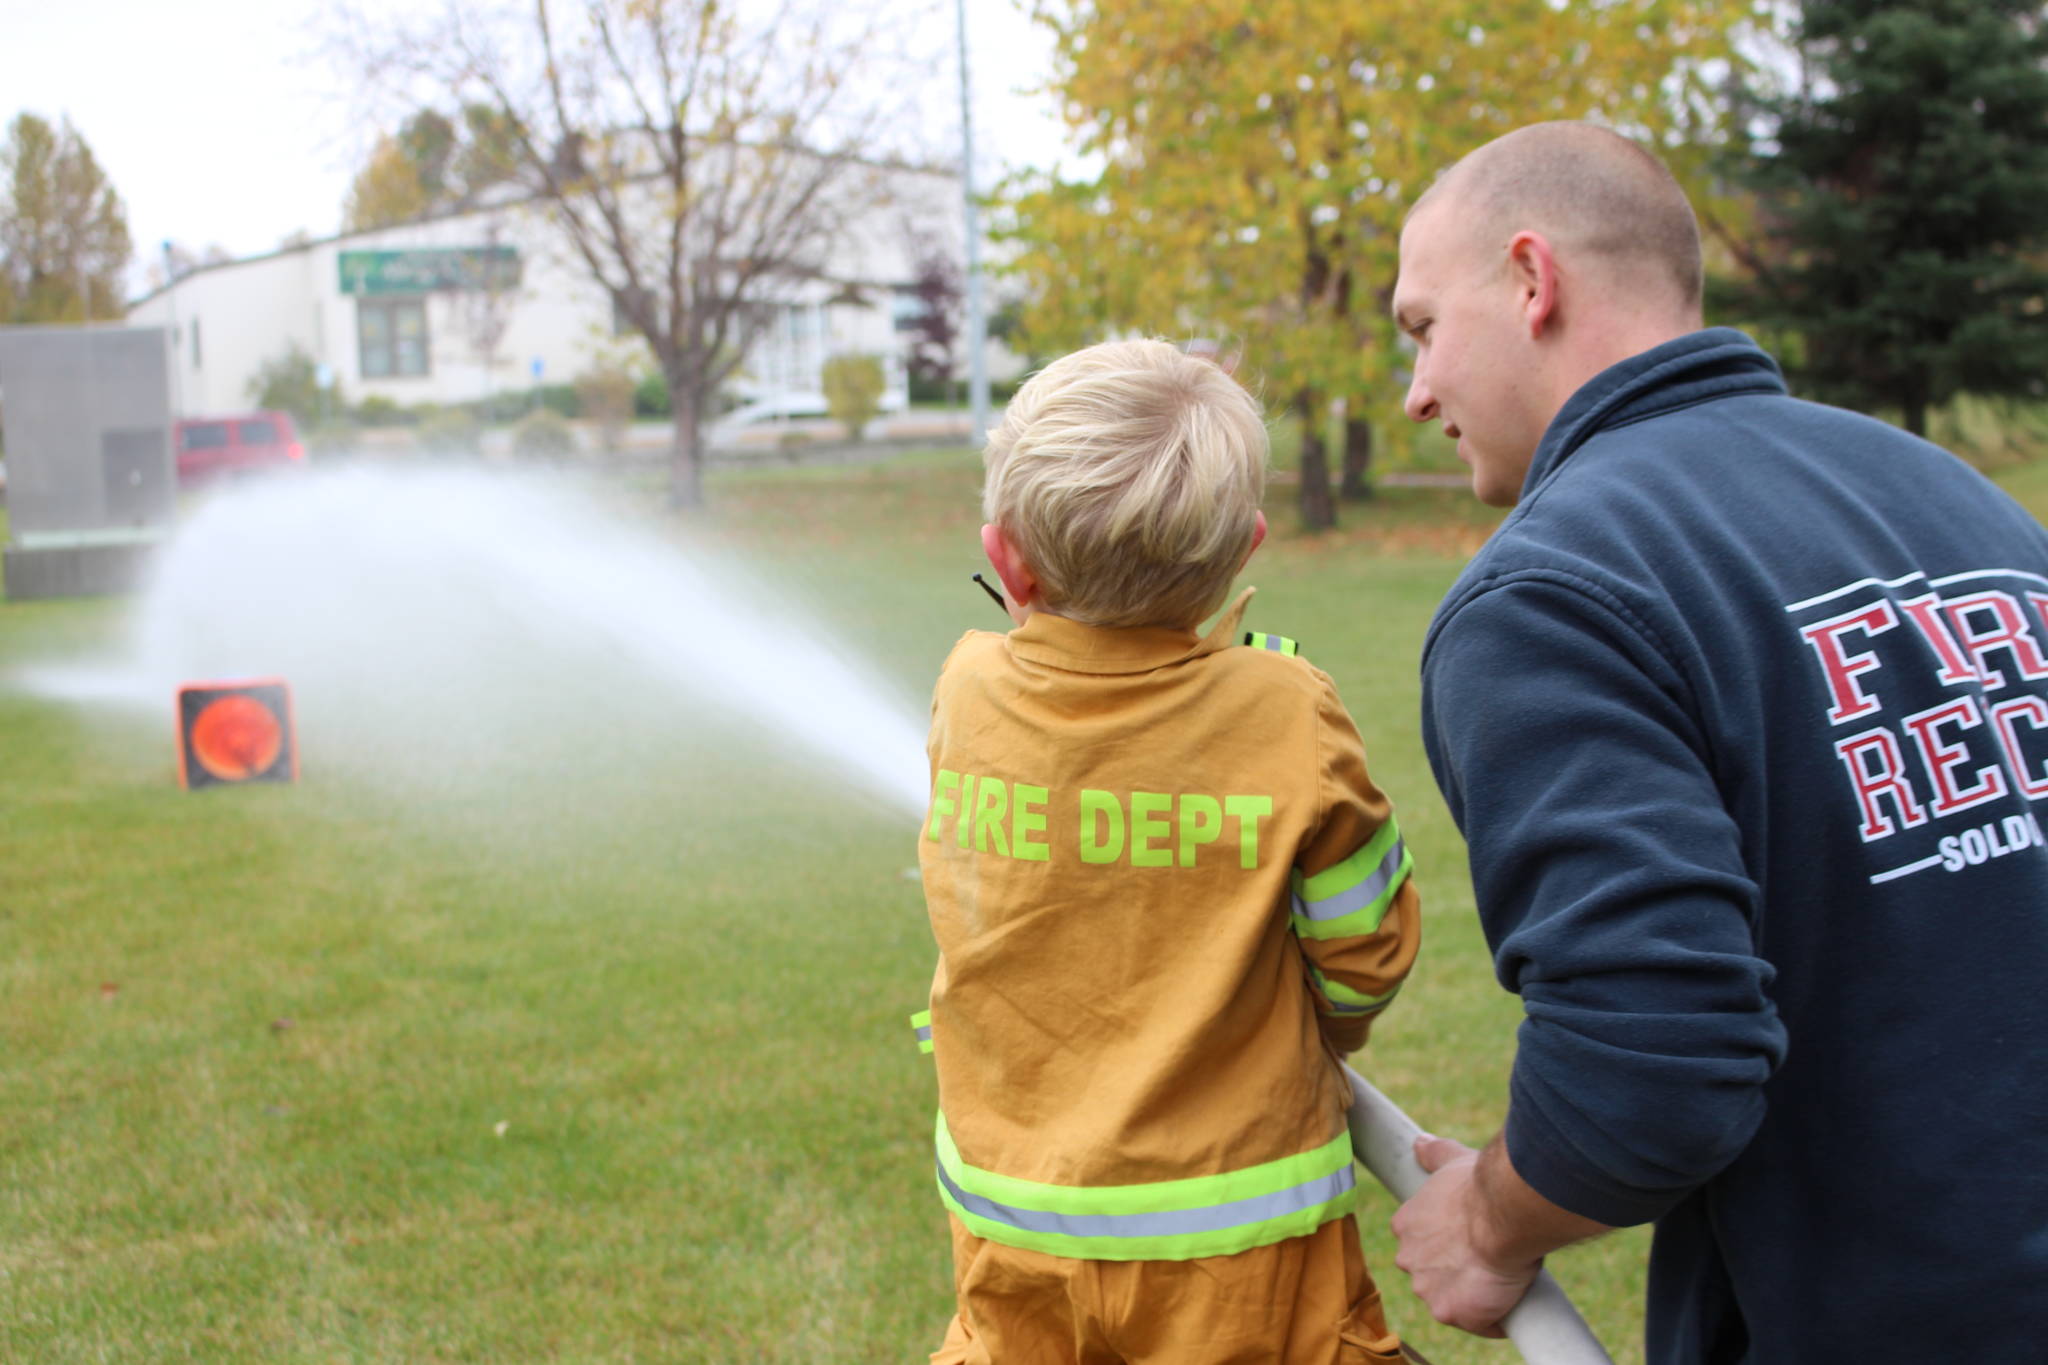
(978, 641)
(971, 647)
(1277, 657)
(1277, 661)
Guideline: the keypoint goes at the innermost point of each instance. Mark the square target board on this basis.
(231, 733)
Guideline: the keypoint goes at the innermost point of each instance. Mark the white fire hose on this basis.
(1544, 1326)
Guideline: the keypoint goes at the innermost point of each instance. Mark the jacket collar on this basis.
(1713, 363)
(1066, 644)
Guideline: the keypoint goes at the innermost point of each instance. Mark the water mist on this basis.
(421, 618)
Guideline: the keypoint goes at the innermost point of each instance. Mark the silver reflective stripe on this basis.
(1171, 1223)
(1358, 897)
(1271, 642)
(924, 1033)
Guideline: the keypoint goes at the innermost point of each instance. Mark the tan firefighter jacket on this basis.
(1166, 894)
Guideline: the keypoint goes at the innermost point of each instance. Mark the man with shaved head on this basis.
(1744, 713)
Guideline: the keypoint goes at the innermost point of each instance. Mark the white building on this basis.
(456, 308)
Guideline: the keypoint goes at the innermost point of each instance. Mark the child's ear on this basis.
(1258, 538)
(1020, 585)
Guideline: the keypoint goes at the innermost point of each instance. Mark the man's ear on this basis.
(1258, 539)
(1533, 268)
(1020, 585)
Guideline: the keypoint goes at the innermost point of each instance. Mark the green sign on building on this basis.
(427, 270)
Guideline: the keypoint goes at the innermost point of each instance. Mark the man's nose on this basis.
(1421, 404)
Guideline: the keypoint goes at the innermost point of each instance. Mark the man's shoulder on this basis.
(1736, 467)
(1738, 494)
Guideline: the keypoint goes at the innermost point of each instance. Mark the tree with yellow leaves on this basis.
(64, 242)
(1258, 157)
(386, 190)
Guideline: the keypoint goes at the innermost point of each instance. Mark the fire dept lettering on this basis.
(1010, 819)
(1978, 635)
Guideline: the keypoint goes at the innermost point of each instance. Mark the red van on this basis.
(211, 446)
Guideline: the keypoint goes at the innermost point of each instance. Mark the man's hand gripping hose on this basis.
(1544, 1326)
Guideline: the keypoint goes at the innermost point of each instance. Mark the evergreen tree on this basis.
(1904, 204)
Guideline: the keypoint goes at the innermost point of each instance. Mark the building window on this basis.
(391, 337)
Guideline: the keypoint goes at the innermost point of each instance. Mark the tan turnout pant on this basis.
(1304, 1301)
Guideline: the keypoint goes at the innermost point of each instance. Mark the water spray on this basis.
(428, 619)
(348, 582)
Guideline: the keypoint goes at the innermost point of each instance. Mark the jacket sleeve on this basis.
(1355, 908)
(1610, 880)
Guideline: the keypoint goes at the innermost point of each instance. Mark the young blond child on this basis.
(1167, 899)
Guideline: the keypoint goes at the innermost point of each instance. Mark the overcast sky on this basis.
(218, 124)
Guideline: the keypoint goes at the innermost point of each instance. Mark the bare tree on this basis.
(697, 157)
(485, 307)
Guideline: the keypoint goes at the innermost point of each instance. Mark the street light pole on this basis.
(977, 318)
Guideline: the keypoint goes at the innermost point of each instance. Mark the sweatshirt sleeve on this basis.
(1610, 881)
(1356, 912)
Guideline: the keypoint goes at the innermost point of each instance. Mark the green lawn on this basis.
(606, 1059)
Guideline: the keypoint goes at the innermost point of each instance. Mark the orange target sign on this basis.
(235, 732)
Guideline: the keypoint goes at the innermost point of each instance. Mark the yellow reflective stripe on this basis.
(1351, 898)
(1341, 877)
(1333, 1197)
(1216, 1215)
(1152, 1196)
(922, 1023)
(1278, 644)
(1344, 1000)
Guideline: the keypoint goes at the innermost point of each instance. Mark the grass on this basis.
(605, 1061)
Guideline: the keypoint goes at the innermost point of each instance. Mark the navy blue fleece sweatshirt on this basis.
(1744, 714)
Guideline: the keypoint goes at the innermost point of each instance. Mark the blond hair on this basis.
(1129, 476)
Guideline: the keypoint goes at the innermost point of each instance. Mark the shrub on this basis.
(650, 396)
(376, 410)
(506, 405)
(559, 398)
(543, 434)
(329, 442)
(451, 431)
(290, 383)
(853, 390)
(606, 395)
(925, 388)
